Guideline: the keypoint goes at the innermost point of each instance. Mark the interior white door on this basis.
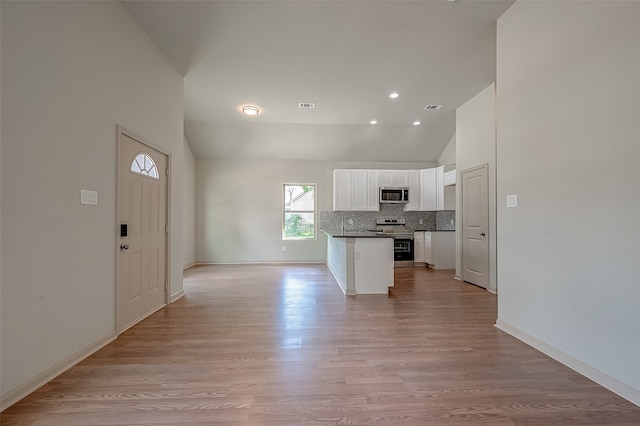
(475, 226)
(142, 238)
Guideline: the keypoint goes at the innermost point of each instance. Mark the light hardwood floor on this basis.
(281, 345)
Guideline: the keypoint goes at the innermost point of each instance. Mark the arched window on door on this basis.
(143, 164)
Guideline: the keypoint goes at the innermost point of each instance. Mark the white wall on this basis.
(189, 207)
(1, 406)
(567, 114)
(239, 208)
(448, 156)
(476, 145)
(72, 72)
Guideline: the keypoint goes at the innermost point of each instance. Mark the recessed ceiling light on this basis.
(250, 110)
(393, 95)
(373, 122)
(416, 123)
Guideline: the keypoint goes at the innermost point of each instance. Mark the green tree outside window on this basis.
(299, 211)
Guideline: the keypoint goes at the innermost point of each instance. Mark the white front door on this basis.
(475, 226)
(142, 238)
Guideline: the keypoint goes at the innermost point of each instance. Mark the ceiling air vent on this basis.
(306, 105)
(433, 107)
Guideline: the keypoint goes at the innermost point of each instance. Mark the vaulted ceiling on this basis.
(346, 57)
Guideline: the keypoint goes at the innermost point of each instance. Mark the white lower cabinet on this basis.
(443, 250)
(373, 271)
(428, 251)
(418, 247)
(361, 265)
(435, 248)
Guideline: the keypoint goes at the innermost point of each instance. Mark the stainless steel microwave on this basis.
(397, 195)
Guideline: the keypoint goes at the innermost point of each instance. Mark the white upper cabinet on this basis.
(341, 190)
(386, 177)
(358, 189)
(432, 189)
(414, 191)
(428, 190)
(373, 177)
(440, 188)
(450, 178)
(352, 190)
(394, 178)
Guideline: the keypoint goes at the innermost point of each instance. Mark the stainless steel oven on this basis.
(402, 249)
(402, 240)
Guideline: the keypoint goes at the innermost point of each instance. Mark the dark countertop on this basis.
(435, 230)
(337, 233)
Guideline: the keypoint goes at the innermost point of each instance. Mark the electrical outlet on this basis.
(421, 221)
(350, 222)
(451, 222)
(284, 248)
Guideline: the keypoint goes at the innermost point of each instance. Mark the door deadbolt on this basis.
(124, 246)
(483, 234)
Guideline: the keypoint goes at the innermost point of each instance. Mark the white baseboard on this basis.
(614, 385)
(274, 262)
(343, 286)
(176, 296)
(14, 395)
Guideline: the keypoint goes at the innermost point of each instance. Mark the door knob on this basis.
(483, 234)
(124, 247)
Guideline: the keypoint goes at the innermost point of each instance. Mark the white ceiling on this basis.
(345, 56)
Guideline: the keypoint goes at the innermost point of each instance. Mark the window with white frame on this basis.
(299, 213)
(143, 164)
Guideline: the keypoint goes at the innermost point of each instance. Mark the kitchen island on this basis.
(361, 261)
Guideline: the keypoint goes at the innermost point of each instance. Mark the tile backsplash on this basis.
(362, 221)
(446, 220)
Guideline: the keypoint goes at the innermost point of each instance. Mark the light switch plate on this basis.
(88, 197)
(512, 200)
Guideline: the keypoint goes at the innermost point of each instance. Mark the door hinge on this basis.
(166, 229)
(166, 286)
(167, 172)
